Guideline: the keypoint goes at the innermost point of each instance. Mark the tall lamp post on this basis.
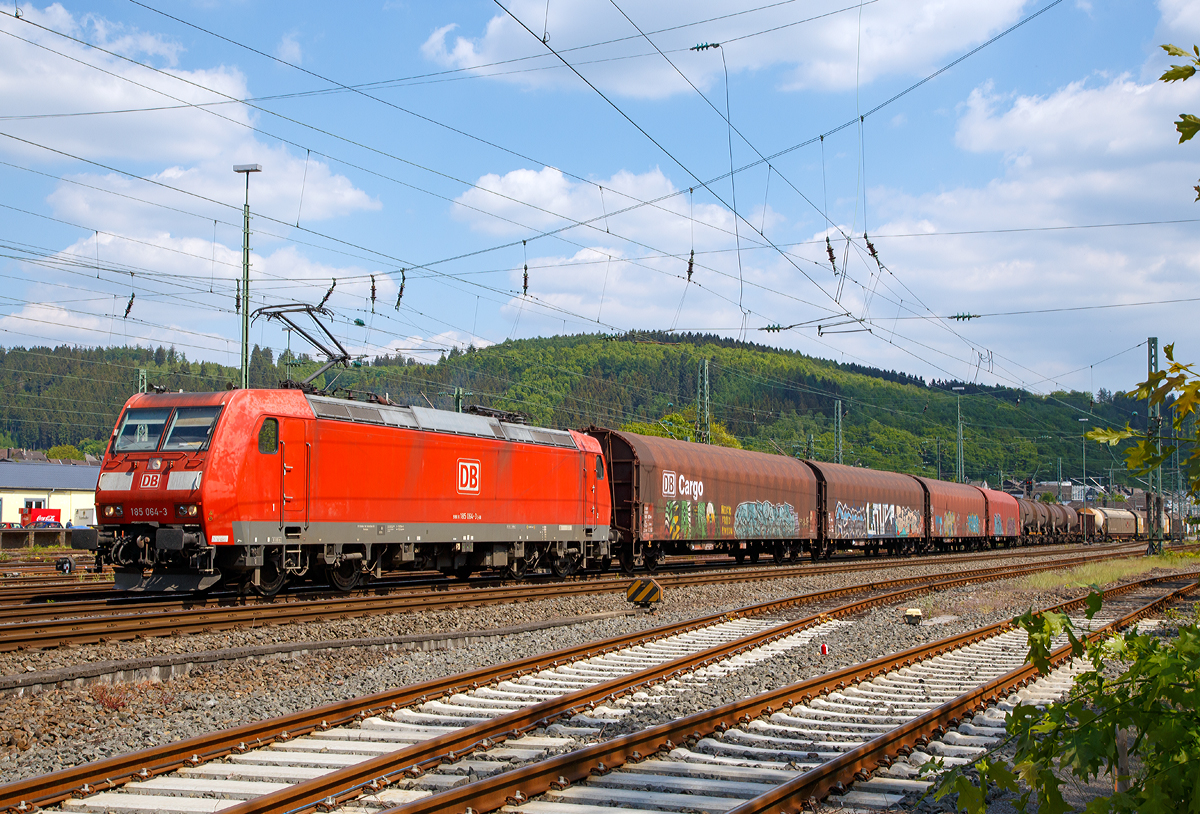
(1084, 420)
(960, 476)
(246, 169)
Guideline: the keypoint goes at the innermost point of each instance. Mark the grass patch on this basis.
(1104, 573)
(1023, 591)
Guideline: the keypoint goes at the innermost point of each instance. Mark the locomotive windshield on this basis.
(141, 429)
(191, 428)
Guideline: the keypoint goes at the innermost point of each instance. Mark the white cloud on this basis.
(35, 81)
(830, 53)
(1081, 155)
(186, 148)
(1118, 122)
(520, 200)
(288, 48)
(274, 193)
(1180, 19)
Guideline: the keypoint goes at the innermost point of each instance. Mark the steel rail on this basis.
(115, 771)
(125, 623)
(532, 779)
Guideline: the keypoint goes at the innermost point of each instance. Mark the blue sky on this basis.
(447, 141)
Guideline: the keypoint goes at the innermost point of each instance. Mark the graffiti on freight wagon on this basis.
(866, 520)
(761, 520)
(953, 524)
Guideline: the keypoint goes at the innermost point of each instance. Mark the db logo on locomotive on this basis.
(468, 476)
(150, 480)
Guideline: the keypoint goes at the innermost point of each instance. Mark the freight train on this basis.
(256, 489)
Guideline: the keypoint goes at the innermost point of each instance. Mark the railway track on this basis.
(871, 725)
(97, 587)
(362, 750)
(47, 626)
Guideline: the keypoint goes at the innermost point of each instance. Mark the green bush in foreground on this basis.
(1152, 707)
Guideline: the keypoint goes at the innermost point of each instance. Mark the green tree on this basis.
(64, 452)
(92, 447)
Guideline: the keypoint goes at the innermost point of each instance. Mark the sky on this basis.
(428, 156)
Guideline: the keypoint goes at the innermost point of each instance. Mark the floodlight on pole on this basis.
(960, 475)
(245, 304)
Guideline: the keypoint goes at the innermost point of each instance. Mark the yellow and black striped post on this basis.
(643, 592)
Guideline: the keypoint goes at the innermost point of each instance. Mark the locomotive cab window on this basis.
(599, 468)
(191, 428)
(268, 437)
(141, 429)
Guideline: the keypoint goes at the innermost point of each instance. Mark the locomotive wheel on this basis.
(517, 568)
(271, 578)
(605, 564)
(344, 577)
(463, 572)
(625, 560)
(565, 565)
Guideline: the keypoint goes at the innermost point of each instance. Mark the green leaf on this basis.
(1110, 436)
(1175, 50)
(1095, 599)
(1178, 73)
(1188, 125)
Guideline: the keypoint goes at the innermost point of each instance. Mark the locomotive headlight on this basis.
(112, 511)
(187, 510)
(155, 463)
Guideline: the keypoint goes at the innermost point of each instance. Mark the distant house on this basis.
(45, 485)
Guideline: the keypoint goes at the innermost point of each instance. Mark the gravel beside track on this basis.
(679, 604)
(43, 733)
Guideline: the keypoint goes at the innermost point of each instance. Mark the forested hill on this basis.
(763, 398)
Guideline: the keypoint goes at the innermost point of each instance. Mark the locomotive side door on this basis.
(595, 481)
(294, 460)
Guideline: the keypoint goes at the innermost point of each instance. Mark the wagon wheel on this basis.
(754, 555)
(626, 559)
(793, 553)
(653, 558)
(739, 556)
(778, 553)
(343, 577)
(271, 577)
(814, 552)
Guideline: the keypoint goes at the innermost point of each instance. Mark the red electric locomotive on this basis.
(263, 487)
